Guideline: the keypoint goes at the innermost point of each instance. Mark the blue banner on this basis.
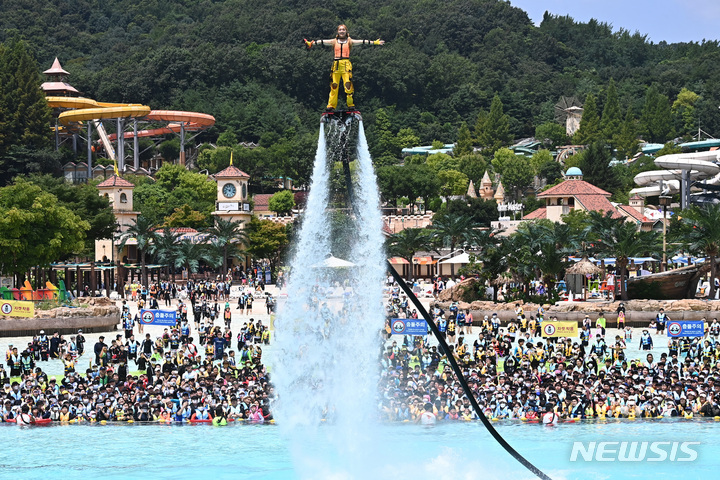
(158, 317)
(686, 328)
(408, 326)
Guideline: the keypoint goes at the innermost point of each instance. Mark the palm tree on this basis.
(189, 255)
(143, 231)
(623, 240)
(227, 235)
(704, 236)
(545, 246)
(454, 229)
(494, 262)
(406, 243)
(164, 248)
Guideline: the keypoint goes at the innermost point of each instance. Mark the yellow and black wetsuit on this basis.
(341, 70)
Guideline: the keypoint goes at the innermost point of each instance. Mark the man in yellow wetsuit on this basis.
(341, 68)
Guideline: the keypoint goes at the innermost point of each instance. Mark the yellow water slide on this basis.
(86, 109)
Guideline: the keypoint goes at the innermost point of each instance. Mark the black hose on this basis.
(458, 373)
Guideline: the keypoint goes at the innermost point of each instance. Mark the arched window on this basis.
(244, 190)
(123, 198)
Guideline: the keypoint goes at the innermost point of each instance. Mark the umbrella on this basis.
(334, 262)
(583, 267)
(458, 259)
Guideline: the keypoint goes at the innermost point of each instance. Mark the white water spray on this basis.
(326, 369)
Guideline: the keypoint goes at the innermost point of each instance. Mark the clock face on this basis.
(229, 190)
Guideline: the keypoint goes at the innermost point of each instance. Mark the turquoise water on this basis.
(456, 451)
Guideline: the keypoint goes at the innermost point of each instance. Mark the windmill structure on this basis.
(569, 111)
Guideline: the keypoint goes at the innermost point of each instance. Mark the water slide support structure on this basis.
(136, 153)
(79, 110)
(679, 173)
(89, 148)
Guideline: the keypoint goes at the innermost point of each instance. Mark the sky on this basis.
(670, 20)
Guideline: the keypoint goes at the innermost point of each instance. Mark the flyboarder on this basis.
(341, 68)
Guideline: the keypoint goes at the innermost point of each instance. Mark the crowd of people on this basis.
(515, 373)
(168, 378)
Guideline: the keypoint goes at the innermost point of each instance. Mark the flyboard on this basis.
(341, 129)
(342, 126)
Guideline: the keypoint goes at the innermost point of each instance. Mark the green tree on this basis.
(190, 255)
(227, 139)
(229, 236)
(35, 229)
(282, 202)
(622, 240)
(174, 188)
(386, 142)
(551, 172)
(143, 231)
(494, 131)
(170, 150)
(502, 157)
(83, 199)
(683, 108)
(539, 159)
(595, 165)
(590, 130)
(406, 243)
(545, 248)
(442, 161)
(611, 120)
(267, 239)
(626, 141)
(164, 247)
(656, 118)
(453, 182)
(551, 134)
(474, 166)
(23, 108)
(185, 216)
(20, 160)
(517, 175)
(703, 235)
(464, 145)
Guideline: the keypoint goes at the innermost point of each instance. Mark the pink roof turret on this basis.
(56, 69)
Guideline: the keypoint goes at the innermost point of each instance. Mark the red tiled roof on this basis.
(232, 171)
(262, 200)
(181, 230)
(386, 229)
(536, 214)
(573, 187)
(115, 181)
(597, 203)
(632, 212)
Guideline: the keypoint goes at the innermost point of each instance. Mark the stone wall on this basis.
(96, 314)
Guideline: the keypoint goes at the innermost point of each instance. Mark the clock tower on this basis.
(232, 195)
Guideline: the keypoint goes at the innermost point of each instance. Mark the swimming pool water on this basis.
(453, 451)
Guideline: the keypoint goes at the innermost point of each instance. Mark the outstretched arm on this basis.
(368, 42)
(310, 43)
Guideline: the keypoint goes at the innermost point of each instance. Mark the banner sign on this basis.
(408, 326)
(14, 308)
(559, 329)
(158, 317)
(686, 328)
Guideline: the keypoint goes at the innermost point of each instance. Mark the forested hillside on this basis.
(244, 62)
